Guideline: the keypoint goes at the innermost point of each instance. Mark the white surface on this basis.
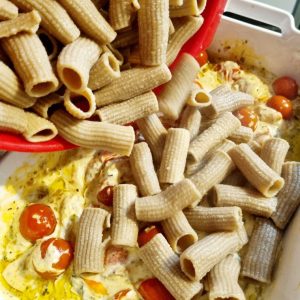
(284, 4)
(280, 54)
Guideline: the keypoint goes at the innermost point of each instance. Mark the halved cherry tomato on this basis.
(147, 234)
(286, 86)
(283, 105)
(115, 255)
(96, 286)
(202, 58)
(247, 117)
(119, 295)
(105, 196)
(37, 221)
(153, 289)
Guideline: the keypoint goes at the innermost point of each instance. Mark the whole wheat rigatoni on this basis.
(143, 170)
(248, 199)
(175, 92)
(75, 62)
(188, 8)
(88, 134)
(54, 18)
(132, 83)
(44, 105)
(153, 23)
(8, 10)
(159, 257)
(174, 155)
(89, 20)
(31, 62)
(11, 90)
(258, 173)
(242, 135)
(126, 38)
(198, 97)
(190, 119)
(49, 42)
(128, 111)
(261, 255)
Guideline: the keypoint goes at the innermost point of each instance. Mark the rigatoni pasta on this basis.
(126, 38)
(8, 10)
(44, 105)
(165, 204)
(125, 112)
(175, 92)
(88, 134)
(132, 83)
(49, 42)
(164, 264)
(258, 173)
(188, 8)
(179, 232)
(27, 22)
(124, 225)
(242, 135)
(54, 18)
(198, 97)
(87, 258)
(248, 199)
(35, 70)
(260, 257)
(143, 170)
(75, 61)
(89, 20)
(11, 90)
(190, 120)
(174, 155)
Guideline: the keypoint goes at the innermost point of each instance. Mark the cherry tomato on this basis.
(37, 221)
(286, 86)
(247, 117)
(115, 255)
(147, 234)
(283, 105)
(105, 196)
(202, 58)
(153, 289)
(119, 295)
(96, 286)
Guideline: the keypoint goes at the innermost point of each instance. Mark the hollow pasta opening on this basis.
(44, 132)
(113, 63)
(47, 42)
(42, 89)
(202, 97)
(188, 267)
(80, 102)
(275, 187)
(72, 79)
(185, 241)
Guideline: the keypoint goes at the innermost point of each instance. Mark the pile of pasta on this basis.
(83, 69)
(201, 175)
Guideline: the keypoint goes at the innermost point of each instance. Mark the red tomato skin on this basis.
(282, 105)
(153, 289)
(106, 195)
(285, 86)
(247, 117)
(147, 234)
(202, 58)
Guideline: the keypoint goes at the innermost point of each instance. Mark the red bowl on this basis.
(200, 41)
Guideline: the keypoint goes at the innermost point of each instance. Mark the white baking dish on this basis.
(278, 53)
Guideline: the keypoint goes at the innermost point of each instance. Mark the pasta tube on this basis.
(28, 22)
(11, 90)
(165, 204)
(50, 44)
(289, 196)
(7, 10)
(130, 110)
(154, 133)
(211, 219)
(121, 13)
(43, 106)
(133, 82)
(273, 153)
(261, 254)
(224, 126)
(255, 146)
(104, 71)
(126, 39)
(223, 279)
(38, 129)
(31, 62)
(179, 232)
(185, 28)
(153, 23)
(124, 225)
(224, 99)
(143, 170)
(172, 98)
(258, 173)
(174, 155)
(54, 18)
(199, 97)
(115, 52)
(236, 178)
(89, 241)
(110, 137)
(197, 260)
(85, 98)
(188, 8)
(247, 199)
(12, 119)
(89, 20)
(75, 62)
(176, 2)
(160, 259)
(242, 135)
(190, 120)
